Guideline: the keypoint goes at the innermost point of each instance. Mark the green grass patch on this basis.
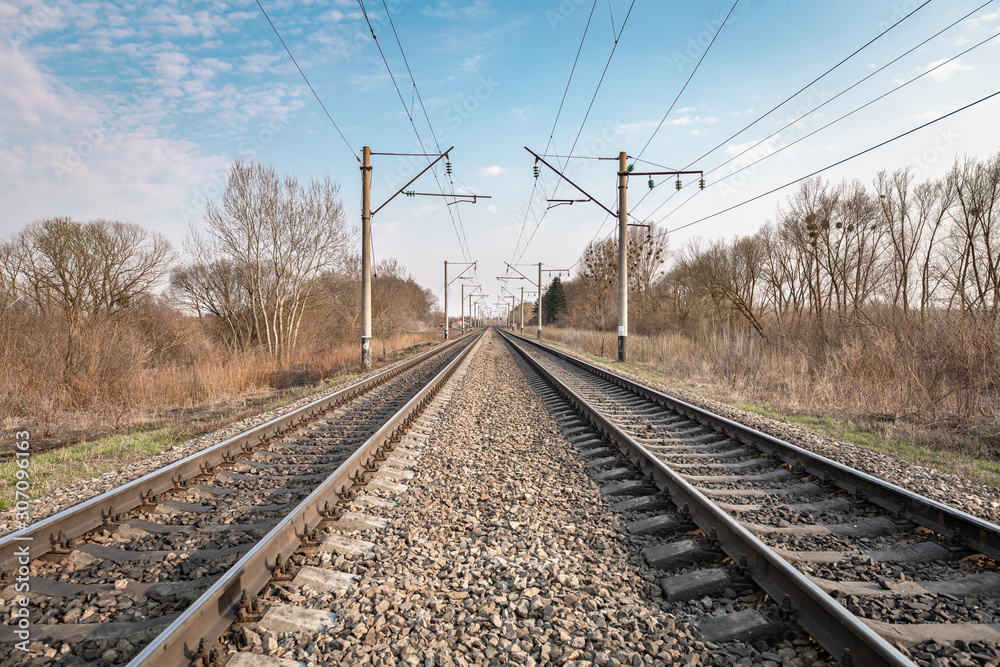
(57, 468)
(878, 436)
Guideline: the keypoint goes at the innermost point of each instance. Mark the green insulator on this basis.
(651, 184)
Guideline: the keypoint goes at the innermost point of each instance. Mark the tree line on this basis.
(913, 266)
(275, 273)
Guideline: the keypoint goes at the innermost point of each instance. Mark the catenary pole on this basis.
(366, 258)
(522, 309)
(622, 258)
(539, 301)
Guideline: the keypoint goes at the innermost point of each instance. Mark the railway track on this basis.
(877, 575)
(736, 548)
(157, 570)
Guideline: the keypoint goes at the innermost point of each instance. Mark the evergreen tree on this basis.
(554, 301)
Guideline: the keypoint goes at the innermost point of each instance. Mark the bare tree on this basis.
(280, 237)
(975, 247)
(216, 288)
(727, 275)
(933, 200)
(10, 272)
(90, 269)
(905, 231)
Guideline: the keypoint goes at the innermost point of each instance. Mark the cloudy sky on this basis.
(134, 110)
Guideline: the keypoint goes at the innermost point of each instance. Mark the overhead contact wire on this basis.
(306, 79)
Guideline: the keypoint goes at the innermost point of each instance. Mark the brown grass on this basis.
(942, 375)
(127, 391)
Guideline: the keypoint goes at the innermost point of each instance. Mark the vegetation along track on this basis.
(874, 573)
(107, 576)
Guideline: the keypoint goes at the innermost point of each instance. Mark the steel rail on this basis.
(211, 614)
(839, 632)
(39, 538)
(978, 534)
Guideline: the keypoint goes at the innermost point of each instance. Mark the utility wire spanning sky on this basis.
(134, 111)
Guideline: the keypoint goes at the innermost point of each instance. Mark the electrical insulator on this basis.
(678, 183)
(651, 184)
(411, 193)
(447, 167)
(536, 171)
(701, 184)
(630, 168)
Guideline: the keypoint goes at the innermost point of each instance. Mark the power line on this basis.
(466, 252)
(585, 117)
(601, 80)
(306, 79)
(459, 234)
(792, 96)
(839, 162)
(691, 76)
(681, 92)
(859, 82)
(823, 127)
(572, 71)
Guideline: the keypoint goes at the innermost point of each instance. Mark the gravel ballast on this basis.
(501, 550)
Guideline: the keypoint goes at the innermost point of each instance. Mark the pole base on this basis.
(366, 354)
(622, 349)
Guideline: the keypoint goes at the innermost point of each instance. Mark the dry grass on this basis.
(207, 394)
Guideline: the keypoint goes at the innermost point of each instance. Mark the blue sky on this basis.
(134, 110)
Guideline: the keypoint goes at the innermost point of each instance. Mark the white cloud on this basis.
(692, 120)
(448, 10)
(945, 71)
(683, 120)
(985, 18)
(492, 170)
(471, 63)
(751, 151)
(66, 153)
(30, 97)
